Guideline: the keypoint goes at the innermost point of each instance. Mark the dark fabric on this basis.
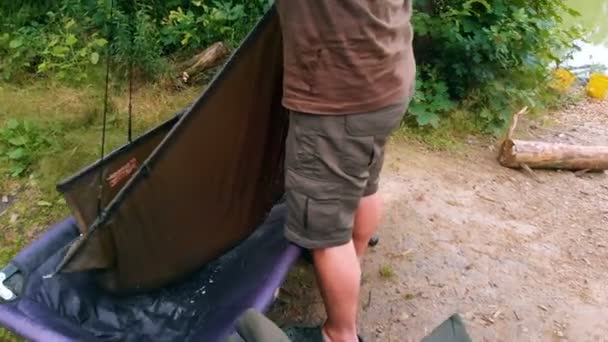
(204, 307)
(205, 187)
(304, 334)
(307, 334)
(331, 162)
(235, 338)
(452, 330)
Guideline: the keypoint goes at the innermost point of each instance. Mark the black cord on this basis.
(130, 133)
(132, 29)
(105, 109)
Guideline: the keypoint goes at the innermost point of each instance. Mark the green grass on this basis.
(409, 296)
(448, 136)
(7, 336)
(386, 271)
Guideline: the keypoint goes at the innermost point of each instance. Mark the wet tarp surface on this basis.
(202, 190)
(203, 307)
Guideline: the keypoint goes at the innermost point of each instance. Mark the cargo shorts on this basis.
(331, 162)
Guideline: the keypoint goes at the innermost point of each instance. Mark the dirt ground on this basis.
(518, 259)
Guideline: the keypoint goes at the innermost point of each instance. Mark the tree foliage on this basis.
(66, 38)
(484, 55)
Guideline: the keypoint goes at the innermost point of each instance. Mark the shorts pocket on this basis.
(305, 153)
(328, 219)
(319, 220)
(296, 210)
(357, 156)
(301, 149)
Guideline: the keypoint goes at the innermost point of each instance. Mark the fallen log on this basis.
(543, 155)
(516, 153)
(211, 57)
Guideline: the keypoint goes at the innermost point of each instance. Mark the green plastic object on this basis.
(452, 330)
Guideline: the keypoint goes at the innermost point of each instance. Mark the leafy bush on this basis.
(22, 143)
(204, 24)
(54, 45)
(67, 56)
(19, 51)
(431, 99)
(490, 54)
(67, 38)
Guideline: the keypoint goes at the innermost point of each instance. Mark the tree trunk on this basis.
(542, 155)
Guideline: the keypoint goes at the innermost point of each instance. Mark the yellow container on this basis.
(562, 80)
(598, 86)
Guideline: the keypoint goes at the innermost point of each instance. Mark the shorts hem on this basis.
(314, 244)
(370, 190)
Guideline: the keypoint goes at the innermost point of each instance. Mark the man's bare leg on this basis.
(338, 275)
(367, 221)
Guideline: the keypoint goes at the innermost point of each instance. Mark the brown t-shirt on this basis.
(346, 56)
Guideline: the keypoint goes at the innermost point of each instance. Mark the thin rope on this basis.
(105, 109)
(132, 29)
(130, 134)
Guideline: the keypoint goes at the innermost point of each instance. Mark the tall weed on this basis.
(23, 142)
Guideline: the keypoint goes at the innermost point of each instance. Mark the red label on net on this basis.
(123, 173)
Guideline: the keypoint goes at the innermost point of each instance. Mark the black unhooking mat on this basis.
(203, 307)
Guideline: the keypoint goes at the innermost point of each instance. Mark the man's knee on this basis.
(342, 254)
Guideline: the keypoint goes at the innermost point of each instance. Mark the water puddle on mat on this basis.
(205, 285)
